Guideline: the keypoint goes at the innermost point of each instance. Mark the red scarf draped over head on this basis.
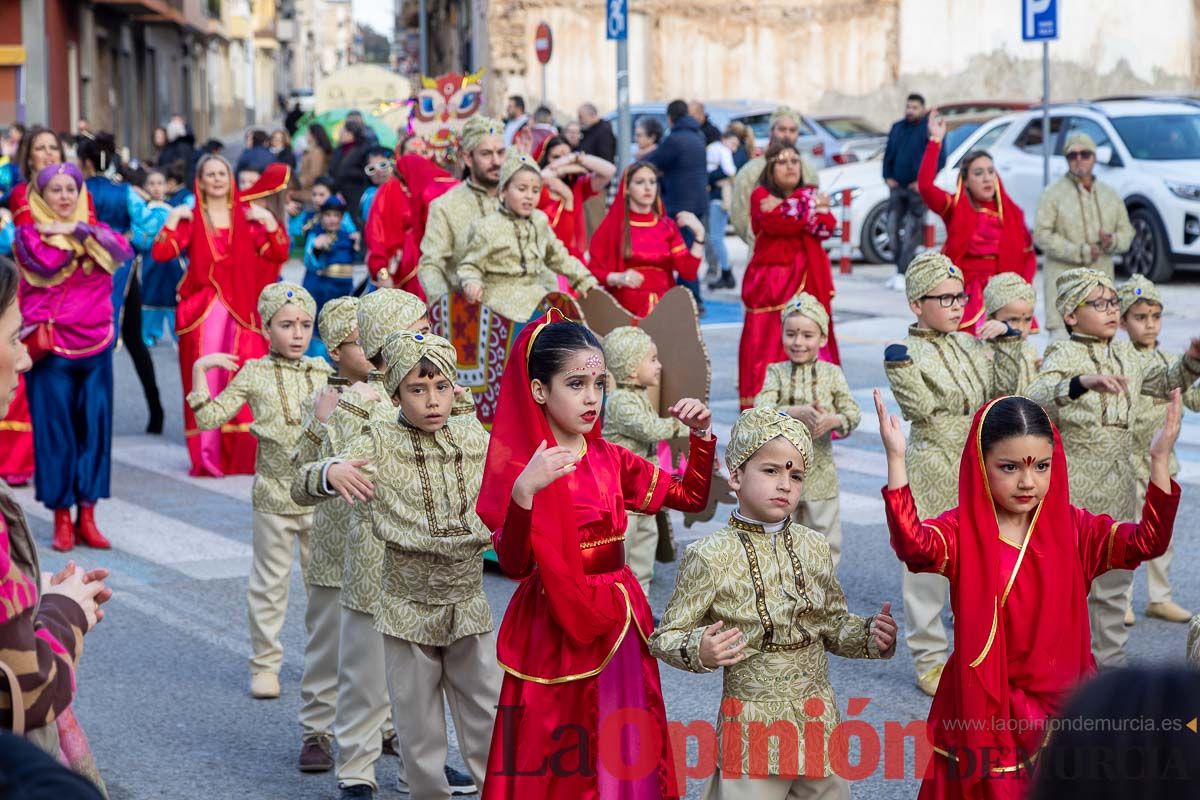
(612, 235)
(520, 426)
(236, 274)
(395, 212)
(1049, 568)
(1016, 251)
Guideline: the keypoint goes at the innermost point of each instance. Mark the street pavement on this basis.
(163, 680)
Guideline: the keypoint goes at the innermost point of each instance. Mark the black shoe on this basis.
(316, 754)
(359, 791)
(723, 281)
(390, 746)
(155, 425)
(460, 783)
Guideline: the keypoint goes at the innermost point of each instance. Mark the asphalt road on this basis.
(163, 681)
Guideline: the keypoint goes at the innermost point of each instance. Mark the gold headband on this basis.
(538, 330)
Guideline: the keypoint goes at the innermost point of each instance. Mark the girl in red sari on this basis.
(790, 221)
(569, 179)
(393, 250)
(637, 251)
(573, 641)
(1014, 549)
(233, 250)
(40, 148)
(985, 229)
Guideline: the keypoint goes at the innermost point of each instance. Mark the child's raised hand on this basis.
(890, 430)
(324, 403)
(883, 629)
(693, 413)
(347, 479)
(547, 465)
(721, 648)
(992, 329)
(1193, 350)
(226, 361)
(1107, 384)
(1164, 440)
(473, 291)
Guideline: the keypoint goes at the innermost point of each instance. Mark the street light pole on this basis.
(1045, 113)
(624, 120)
(423, 22)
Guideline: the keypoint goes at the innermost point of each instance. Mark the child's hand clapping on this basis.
(721, 648)
(348, 480)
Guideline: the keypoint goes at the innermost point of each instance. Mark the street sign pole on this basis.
(423, 35)
(1045, 114)
(617, 29)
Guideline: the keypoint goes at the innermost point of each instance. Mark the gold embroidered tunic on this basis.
(516, 259)
(631, 422)
(445, 240)
(817, 383)
(276, 389)
(1097, 429)
(939, 386)
(1149, 413)
(781, 591)
(331, 519)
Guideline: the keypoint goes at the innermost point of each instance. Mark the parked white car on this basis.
(1147, 150)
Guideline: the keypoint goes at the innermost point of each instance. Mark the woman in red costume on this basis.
(40, 148)
(233, 250)
(569, 179)
(790, 220)
(1012, 549)
(985, 229)
(573, 641)
(392, 250)
(637, 251)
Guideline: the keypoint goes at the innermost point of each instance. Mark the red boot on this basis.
(87, 532)
(64, 530)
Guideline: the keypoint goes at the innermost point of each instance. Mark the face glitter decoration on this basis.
(594, 361)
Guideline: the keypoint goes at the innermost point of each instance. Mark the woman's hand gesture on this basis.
(770, 203)
(547, 465)
(936, 125)
(890, 430)
(1164, 442)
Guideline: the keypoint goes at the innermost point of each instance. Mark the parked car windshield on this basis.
(850, 128)
(1161, 137)
(959, 135)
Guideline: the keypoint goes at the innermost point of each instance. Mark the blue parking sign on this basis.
(1039, 20)
(616, 20)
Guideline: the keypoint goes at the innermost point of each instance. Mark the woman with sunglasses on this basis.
(985, 229)
(789, 220)
(1081, 222)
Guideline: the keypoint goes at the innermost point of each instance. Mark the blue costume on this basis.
(115, 206)
(328, 271)
(364, 203)
(10, 176)
(160, 279)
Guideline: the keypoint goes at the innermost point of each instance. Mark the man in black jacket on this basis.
(901, 160)
(711, 132)
(680, 159)
(597, 138)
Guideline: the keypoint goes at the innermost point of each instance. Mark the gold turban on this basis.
(927, 271)
(757, 426)
(515, 163)
(475, 129)
(785, 111)
(1005, 288)
(1074, 285)
(1077, 139)
(624, 349)
(275, 296)
(383, 312)
(1135, 289)
(339, 319)
(806, 305)
(404, 349)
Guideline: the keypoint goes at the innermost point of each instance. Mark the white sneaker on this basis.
(896, 283)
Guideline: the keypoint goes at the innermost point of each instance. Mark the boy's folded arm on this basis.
(676, 640)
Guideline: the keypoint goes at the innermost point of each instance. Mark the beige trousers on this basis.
(275, 537)
(1107, 601)
(318, 687)
(1158, 581)
(417, 677)
(363, 713)
(776, 788)
(824, 517)
(641, 543)
(925, 596)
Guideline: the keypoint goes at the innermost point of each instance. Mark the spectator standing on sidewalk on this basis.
(681, 160)
(711, 132)
(596, 138)
(721, 169)
(901, 162)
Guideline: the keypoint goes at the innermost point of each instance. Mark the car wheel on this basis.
(876, 245)
(1150, 253)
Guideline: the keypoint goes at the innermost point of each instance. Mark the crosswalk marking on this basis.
(170, 460)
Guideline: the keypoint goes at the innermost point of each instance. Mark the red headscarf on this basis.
(1050, 569)
(394, 213)
(237, 274)
(608, 242)
(1016, 248)
(520, 426)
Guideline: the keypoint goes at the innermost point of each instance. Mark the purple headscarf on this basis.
(46, 173)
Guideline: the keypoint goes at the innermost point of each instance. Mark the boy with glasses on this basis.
(940, 377)
(1081, 222)
(1090, 385)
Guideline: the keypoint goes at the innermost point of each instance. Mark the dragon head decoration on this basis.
(441, 107)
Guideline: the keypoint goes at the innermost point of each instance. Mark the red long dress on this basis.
(570, 224)
(398, 208)
(1013, 661)
(573, 640)
(788, 259)
(982, 239)
(227, 268)
(649, 243)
